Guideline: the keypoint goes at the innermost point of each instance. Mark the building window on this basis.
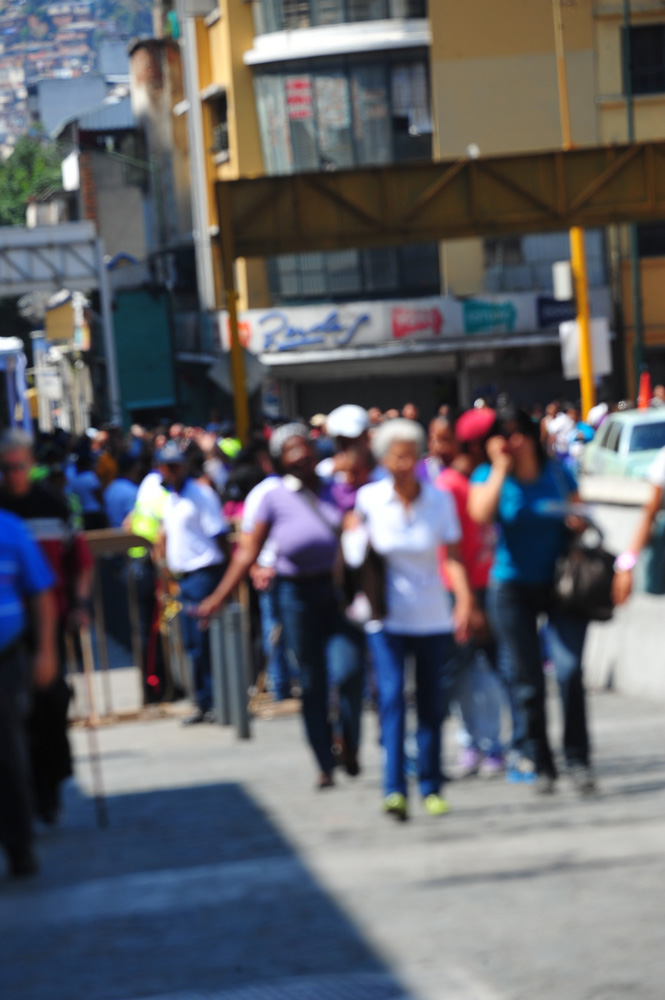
(363, 111)
(219, 127)
(345, 275)
(647, 59)
(651, 240)
(524, 263)
(289, 15)
(359, 113)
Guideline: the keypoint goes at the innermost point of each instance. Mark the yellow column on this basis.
(578, 266)
(240, 397)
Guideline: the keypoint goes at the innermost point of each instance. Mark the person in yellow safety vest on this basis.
(145, 520)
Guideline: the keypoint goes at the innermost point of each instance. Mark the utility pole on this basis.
(577, 241)
(635, 276)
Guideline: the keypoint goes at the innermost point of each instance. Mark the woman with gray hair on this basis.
(407, 522)
(301, 522)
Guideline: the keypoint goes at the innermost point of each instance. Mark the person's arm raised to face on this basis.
(484, 497)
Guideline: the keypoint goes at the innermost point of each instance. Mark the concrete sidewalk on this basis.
(224, 876)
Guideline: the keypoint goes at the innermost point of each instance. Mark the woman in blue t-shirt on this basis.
(515, 491)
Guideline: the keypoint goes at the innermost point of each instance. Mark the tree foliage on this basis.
(32, 169)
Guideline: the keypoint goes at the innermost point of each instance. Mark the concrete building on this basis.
(280, 86)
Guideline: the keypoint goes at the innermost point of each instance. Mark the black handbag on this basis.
(584, 573)
(583, 579)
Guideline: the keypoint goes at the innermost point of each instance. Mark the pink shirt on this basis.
(477, 543)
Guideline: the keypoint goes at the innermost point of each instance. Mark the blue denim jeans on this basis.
(514, 610)
(326, 647)
(434, 658)
(193, 588)
(274, 647)
(479, 695)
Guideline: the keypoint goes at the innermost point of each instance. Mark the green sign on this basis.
(489, 317)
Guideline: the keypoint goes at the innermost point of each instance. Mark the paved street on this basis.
(224, 876)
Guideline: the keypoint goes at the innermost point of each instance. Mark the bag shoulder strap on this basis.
(310, 499)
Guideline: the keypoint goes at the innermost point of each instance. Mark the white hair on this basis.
(282, 434)
(401, 430)
(15, 439)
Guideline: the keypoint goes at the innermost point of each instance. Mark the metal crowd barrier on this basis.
(230, 641)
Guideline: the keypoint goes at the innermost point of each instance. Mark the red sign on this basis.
(299, 97)
(407, 322)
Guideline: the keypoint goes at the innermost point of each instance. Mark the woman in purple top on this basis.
(302, 521)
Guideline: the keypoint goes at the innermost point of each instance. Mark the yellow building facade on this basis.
(646, 94)
(494, 86)
(230, 135)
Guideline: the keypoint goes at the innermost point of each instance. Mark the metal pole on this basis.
(577, 243)
(237, 651)
(635, 274)
(240, 398)
(135, 627)
(91, 726)
(115, 407)
(218, 668)
(100, 633)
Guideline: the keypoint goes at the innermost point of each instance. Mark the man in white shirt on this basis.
(195, 543)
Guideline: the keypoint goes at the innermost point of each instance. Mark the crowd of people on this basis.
(389, 562)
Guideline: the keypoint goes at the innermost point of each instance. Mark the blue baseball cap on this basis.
(171, 454)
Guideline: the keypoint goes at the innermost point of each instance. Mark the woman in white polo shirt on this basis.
(407, 522)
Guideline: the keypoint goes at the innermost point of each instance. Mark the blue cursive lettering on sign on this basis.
(280, 335)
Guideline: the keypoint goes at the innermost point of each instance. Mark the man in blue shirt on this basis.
(27, 619)
(120, 495)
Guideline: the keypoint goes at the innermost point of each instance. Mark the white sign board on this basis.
(600, 348)
(297, 329)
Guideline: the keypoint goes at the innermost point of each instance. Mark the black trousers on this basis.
(15, 782)
(48, 744)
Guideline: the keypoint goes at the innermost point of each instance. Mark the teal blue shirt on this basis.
(529, 539)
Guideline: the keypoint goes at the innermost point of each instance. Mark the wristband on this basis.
(625, 562)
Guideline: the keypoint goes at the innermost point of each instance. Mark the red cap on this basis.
(475, 425)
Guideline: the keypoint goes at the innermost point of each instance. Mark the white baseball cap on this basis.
(349, 421)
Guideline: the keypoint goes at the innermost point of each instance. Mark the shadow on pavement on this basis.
(191, 893)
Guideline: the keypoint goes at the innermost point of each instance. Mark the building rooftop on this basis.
(113, 115)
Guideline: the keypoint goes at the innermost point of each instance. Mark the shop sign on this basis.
(408, 321)
(366, 324)
(337, 328)
(552, 312)
(489, 316)
(49, 384)
(299, 97)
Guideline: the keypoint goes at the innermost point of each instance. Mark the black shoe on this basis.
(544, 784)
(351, 765)
(583, 779)
(22, 862)
(48, 806)
(194, 718)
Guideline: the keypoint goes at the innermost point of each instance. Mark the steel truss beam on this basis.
(422, 202)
